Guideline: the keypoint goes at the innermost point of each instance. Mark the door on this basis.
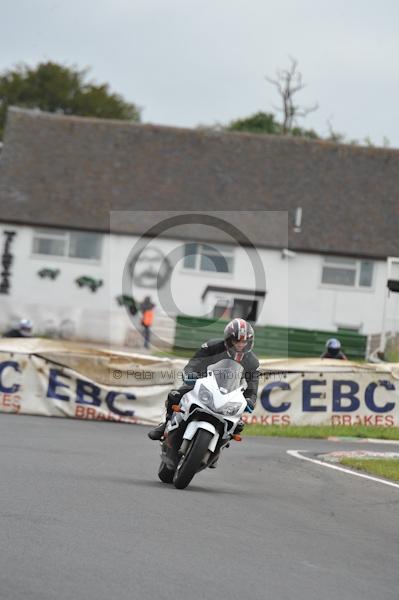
(245, 309)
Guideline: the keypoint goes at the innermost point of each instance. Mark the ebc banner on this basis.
(299, 393)
(330, 398)
(33, 385)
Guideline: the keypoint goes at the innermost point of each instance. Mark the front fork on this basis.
(174, 446)
(210, 457)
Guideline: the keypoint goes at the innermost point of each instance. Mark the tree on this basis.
(266, 123)
(288, 83)
(335, 136)
(56, 88)
(260, 122)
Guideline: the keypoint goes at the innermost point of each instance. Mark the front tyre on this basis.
(192, 461)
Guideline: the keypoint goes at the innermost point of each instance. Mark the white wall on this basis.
(187, 286)
(318, 306)
(295, 296)
(50, 302)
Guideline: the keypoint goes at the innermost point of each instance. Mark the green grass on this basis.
(184, 354)
(393, 356)
(388, 467)
(320, 432)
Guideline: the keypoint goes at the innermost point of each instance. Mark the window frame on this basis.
(65, 235)
(227, 252)
(331, 261)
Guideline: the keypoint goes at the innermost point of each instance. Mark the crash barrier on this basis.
(64, 379)
(327, 392)
(270, 340)
(46, 377)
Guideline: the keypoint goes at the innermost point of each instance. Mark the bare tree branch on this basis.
(288, 82)
(334, 136)
(303, 112)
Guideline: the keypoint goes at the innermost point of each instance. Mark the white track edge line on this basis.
(377, 441)
(296, 454)
(334, 438)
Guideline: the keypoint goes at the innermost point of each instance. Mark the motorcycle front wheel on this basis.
(165, 474)
(192, 460)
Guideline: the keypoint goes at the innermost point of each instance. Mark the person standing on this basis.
(147, 319)
(23, 330)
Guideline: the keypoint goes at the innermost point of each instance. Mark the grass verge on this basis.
(320, 432)
(381, 467)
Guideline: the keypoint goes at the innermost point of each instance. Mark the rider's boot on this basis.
(174, 397)
(158, 431)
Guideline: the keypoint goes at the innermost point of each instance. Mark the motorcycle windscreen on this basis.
(228, 373)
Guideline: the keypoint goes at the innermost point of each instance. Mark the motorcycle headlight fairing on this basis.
(231, 408)
(206, 397)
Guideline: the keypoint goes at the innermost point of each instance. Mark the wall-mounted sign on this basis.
(48, 273)
(393, 285)
(6, 261)
(90, 282)
(129, 302)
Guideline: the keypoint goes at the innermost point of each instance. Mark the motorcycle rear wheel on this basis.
(192, 461)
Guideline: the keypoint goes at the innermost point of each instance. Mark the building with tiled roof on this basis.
(323, 217)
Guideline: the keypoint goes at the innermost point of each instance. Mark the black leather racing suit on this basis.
(209, 353)
(337, 355)
(15, 333)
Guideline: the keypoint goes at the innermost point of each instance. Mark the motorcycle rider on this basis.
(333, 350)
(237, 344)
(23, 330)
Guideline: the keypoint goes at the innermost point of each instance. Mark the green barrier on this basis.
(270, 341)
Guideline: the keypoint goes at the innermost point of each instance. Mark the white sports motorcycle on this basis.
(203, 423)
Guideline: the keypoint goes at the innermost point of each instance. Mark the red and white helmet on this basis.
(238, 330)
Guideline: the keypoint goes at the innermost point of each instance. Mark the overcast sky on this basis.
(190, 62)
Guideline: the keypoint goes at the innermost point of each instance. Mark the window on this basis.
(347, 272)
(49, 244)
(204, 257)
(84, 245)
(366, 273)
(72, 244)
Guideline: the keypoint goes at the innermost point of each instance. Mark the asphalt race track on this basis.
(83, 516)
